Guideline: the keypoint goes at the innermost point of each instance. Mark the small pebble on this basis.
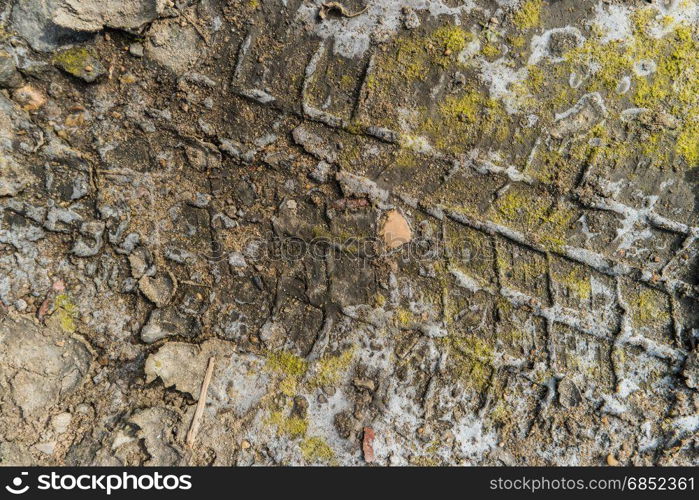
(136, 49)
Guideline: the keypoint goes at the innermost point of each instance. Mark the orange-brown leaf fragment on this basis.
(395, 230)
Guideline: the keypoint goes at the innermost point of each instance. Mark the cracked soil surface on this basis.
(427, 232)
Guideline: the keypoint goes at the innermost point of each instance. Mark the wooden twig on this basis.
(196, 27)
(196, 421)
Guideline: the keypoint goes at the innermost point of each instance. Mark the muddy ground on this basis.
(429, 232)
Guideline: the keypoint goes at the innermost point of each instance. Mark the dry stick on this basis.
(196, 421)
(196, 27)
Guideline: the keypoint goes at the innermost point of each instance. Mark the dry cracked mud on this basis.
(428, 232)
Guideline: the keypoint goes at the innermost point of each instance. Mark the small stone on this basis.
(158, 289)
(46, 448)
(395, 231)
(240, 377)
(236, 260)
(90, 242)
(612, 461)
(201, 200)
(136, 49)
(300, 407)
(245, 444)
(140, 262)
(61, 422)
(343, 424)
(568, 393)
(364, 383)
(166, 322)
(320, 173)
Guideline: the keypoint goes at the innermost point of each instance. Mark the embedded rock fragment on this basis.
(157, 427)
(50, 24)
(40, 365)
(9, 76)
(33, 20)
(167, 322)
(13, 178)
(159, 289)
(173, 46)
(93, 15)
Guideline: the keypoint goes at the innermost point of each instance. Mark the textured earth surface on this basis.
(429, 232)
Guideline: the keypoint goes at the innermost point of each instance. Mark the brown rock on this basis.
(368, 445)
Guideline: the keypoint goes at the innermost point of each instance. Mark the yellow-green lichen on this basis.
(66, 312)
(518, 42)
(528, 14)
(490, 50)
(347, 82)
(316, 450)
(288, 386)
(648, 309)
(461, 120)
(500, 413)
(473, 357)
(663, 73)
(379, 300)
(407, 63)
(512, 336)
(74, 60)
(451, 39)
(687, 144)
(414, 143)
(288, 426)
(329, 369)
(609, 62)
(287, 363)
(403, 317)
(535, 215)
(577, 283)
